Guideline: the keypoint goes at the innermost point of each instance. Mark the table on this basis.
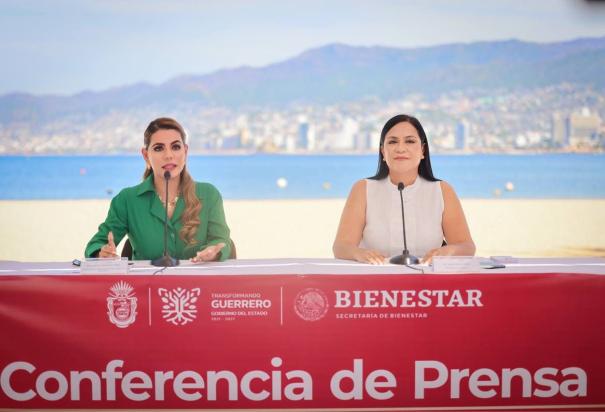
(301, 333)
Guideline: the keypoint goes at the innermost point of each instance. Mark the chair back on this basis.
(127, 250)
(233, 254)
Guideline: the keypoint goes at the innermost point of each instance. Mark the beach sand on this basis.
(59, 230)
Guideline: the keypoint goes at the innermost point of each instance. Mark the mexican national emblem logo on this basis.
(179, 305)
(311, 304)
(121, 305)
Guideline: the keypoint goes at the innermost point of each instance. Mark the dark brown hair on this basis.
(424, 168)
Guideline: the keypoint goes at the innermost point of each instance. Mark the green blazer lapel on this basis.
(147, 190)
(157, 210)
(178, 210)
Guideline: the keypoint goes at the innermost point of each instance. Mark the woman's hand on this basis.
(109, 250)
(373, 257)
(208, 254)
(449, 250)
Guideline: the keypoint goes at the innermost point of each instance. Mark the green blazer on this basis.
(139, 213)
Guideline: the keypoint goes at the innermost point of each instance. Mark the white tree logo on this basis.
(178, 305)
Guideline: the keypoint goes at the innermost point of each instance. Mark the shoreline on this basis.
(58, 230)
(511, 152)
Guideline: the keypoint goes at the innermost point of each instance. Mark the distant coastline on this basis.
(486, 97)
(511, 152)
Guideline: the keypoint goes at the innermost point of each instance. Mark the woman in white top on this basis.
(370, 227)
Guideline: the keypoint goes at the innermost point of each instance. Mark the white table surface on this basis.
(294, 266)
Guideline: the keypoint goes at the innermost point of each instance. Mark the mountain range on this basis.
(336, 73)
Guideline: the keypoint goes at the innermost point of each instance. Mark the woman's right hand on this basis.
(109, 250)
(209, 254)
(373, 257)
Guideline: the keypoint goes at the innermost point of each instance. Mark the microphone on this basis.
(166, 260)
(405, 258)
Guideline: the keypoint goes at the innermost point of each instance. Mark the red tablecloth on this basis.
(314, 341)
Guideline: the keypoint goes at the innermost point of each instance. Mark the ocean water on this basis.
(307, 176)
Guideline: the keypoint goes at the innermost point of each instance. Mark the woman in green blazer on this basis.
(196, 220)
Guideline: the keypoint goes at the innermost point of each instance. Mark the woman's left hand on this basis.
(440, 251)
(208, 254)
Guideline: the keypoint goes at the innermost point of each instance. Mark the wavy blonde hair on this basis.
(193, 205)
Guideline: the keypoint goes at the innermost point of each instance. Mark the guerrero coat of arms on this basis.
(122, 305)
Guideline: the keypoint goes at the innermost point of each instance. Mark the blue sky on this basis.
(64, 47)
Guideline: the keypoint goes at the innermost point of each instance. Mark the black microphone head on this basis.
(167, 175)
(400, 186)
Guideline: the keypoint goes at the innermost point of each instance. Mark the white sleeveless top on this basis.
(423, 204)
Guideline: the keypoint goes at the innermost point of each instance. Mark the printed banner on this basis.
(287, 341)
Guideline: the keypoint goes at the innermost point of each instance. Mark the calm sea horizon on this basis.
(560, 175)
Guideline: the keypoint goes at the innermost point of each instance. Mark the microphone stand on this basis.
(405, 258)
(166, 260)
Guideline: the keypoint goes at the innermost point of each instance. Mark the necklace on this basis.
(171, 203)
